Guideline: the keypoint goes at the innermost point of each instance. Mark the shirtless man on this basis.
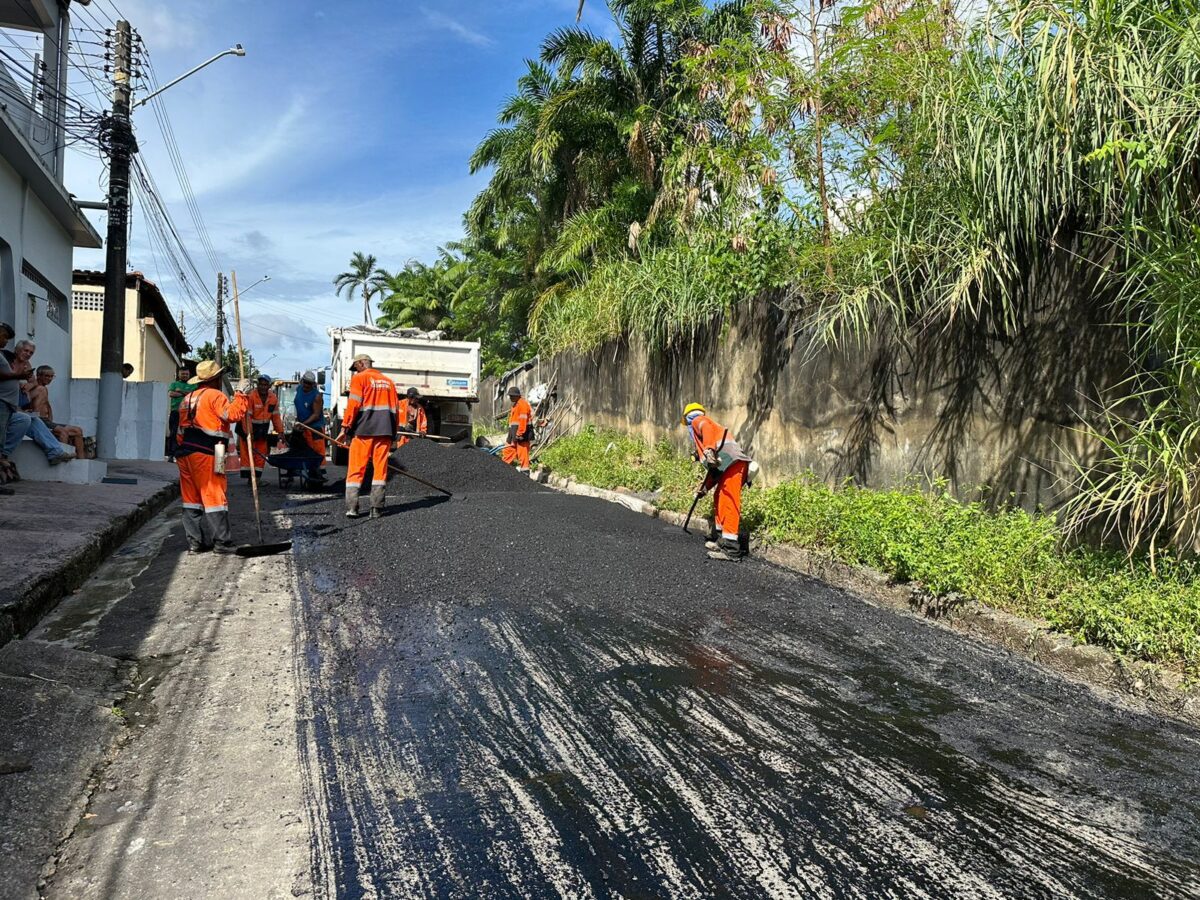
(38, 391)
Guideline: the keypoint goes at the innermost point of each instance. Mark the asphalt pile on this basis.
(457, 468)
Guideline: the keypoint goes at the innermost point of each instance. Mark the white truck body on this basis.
(445, 372)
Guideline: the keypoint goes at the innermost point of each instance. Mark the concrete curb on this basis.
(23, 605)
(1151, 686)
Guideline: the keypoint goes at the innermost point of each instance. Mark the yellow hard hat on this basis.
(689, 409)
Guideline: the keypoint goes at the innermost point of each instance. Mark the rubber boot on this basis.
(378, 492)
(222, 533)
(727, 550)
(352, 503)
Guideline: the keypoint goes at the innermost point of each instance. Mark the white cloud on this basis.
(455, 27)
(231, 165)
(162, 26)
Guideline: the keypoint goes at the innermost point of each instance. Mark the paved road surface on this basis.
(525, 694)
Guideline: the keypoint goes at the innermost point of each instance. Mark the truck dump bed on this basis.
(447, 370)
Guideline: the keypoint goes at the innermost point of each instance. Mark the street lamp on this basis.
(244, 291)
(235, 50)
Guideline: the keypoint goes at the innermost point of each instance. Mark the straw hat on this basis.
(206, 371)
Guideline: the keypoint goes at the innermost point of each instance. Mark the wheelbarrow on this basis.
(299, 465)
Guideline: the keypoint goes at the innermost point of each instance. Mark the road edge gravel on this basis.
(1152, 687)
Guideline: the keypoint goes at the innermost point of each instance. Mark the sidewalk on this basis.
(149, 716)
(58, 533)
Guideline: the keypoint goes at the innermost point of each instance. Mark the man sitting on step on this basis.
(38, 389)
(21, 423)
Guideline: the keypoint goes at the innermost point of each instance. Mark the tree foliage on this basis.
(879, 167)
(208, 350)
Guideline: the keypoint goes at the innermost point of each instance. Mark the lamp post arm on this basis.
(235, 50)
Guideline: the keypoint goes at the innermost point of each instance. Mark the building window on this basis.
(92, 301)
(31, 326)
(56, 300)
(56, 312)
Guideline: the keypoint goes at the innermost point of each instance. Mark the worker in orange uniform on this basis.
(727, 467)
(520, 431)
(412, 416)
(264, 413)
(204, 417)
(371, 418)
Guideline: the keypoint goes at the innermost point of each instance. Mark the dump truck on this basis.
(445, 372)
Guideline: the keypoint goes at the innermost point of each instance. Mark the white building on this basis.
(40, 224)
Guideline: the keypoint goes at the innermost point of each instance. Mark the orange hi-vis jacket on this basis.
(263, 413)
(412, 417)
(707, 435)
(373, 408)
(204, 417)
(519, 420)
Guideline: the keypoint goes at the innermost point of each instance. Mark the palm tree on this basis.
(364, 276)
(419, 295)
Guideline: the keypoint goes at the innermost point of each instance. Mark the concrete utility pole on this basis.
(220, 319)
(121, 147)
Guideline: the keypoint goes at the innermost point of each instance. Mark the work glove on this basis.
(243, 386)
(710, 460)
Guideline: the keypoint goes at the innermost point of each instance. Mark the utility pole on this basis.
(121, 147)
(220, 319)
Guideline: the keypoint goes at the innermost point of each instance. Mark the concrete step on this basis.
(33, 465)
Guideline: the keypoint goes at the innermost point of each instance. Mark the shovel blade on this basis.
(249, 550)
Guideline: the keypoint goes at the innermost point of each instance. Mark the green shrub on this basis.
(1008, 559)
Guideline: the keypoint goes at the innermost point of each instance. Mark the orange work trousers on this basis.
(315, 443)
(199, 486)
(727, 503)
(517, 452)
(365, 450)
(261, 449)
(205, 502)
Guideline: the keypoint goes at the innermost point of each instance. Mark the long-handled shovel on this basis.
(428, 437)
(259, 549)
(391, 465)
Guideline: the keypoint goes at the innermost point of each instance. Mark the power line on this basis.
(181, 174)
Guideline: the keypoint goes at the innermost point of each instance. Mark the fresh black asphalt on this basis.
(520, 693)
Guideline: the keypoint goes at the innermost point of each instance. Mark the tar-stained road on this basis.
(525, 694)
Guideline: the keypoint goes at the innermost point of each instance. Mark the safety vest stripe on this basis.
(357, 397)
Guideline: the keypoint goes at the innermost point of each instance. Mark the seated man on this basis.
(39, 406)
(22, 423)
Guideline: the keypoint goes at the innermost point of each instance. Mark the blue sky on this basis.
(347, 126)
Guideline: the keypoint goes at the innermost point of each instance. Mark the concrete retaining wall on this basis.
(973, 410)
(144, 414)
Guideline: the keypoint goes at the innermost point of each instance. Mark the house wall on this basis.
(158, 363)
(28, 232)
(145, 348)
